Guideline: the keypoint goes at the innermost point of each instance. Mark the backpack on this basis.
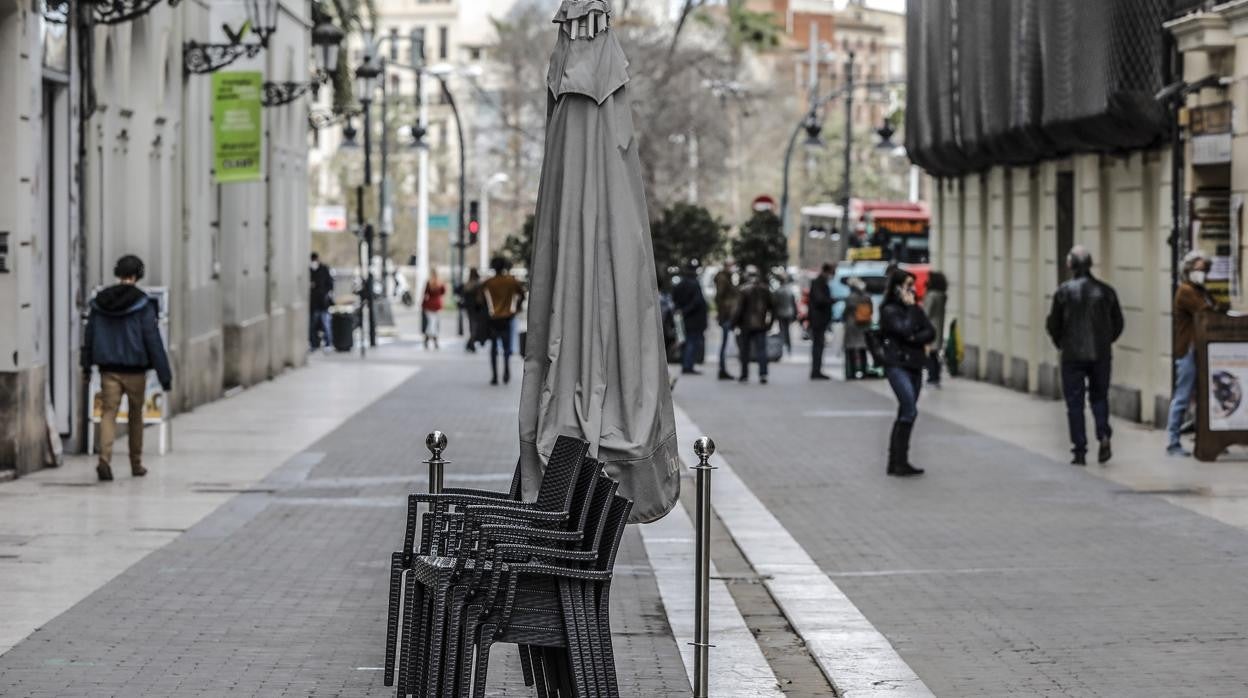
(864, 312)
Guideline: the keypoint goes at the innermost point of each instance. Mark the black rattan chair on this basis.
(552, 505)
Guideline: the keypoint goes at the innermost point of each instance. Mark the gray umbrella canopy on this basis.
(595, 367)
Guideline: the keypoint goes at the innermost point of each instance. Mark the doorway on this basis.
(1065, 221)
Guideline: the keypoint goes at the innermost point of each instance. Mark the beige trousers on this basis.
(112, 387)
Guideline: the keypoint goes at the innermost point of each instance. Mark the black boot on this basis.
(899, 451)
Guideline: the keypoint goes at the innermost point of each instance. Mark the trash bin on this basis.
(342, 327)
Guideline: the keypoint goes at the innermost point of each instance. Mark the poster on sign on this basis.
(1228, 374)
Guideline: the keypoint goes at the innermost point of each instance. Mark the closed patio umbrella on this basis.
(595, 365)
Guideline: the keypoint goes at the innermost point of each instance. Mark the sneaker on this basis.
(1178, 451)
(137, 470)
(743, 379)
(763, 380)
(1079, 459)
(820, 377)
(725, 376)
(691, 372)
(105, 472)
(1105, 453)
(494, 380)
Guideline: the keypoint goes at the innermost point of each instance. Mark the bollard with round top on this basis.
(436, 443)
(703, 448)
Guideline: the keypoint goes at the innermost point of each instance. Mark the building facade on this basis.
(1030, 154)
(111, 145)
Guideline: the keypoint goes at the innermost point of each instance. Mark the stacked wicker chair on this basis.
(491, 568)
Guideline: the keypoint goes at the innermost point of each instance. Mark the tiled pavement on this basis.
(1001, 572)
(282, 592)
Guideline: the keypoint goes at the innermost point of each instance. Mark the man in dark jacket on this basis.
(755, 313)
(820, 317)
(1084, 324)
(123, 339)
(727, 297)
(690, 301)
(320, 299)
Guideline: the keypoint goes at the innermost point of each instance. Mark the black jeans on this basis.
(754, 348)
(818, 338)
(1087, 380)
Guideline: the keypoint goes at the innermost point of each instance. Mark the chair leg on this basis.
(412, 596)
(437, 642)
(472, 626)
(526, 664)
(577, 650)
(454, 643)
(608, 653)
(541, 667)
(483, 660)
(397, 577)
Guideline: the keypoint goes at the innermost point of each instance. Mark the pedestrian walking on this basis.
(320, 300)
(820, 313)
(857, 317)
(785, 303)
(1191, 299)
(122, 338)
(431, 305)
(691, 303)
(474, 307)
(755, 315)
(1084, 323)
(905, 333)
(727, 297)
(503, 294)
(934, 305)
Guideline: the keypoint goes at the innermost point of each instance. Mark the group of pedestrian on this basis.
(746, 312)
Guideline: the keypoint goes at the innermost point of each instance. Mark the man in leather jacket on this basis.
(820, 317)
(1084, 323)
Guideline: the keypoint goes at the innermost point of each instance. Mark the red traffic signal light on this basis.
(474, 221)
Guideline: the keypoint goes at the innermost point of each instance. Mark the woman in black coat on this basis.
(905, 332)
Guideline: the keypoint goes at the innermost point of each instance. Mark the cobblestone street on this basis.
(1001, 572)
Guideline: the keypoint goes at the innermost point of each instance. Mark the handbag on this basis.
(775, 347)
(875, 345)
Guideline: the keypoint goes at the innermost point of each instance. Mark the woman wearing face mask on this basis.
(905, 332)
(1190, 300)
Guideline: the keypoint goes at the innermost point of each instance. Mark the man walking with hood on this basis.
(123, 339)
(1084, 323)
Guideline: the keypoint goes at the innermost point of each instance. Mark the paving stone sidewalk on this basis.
(1000, 572)
(282, 592)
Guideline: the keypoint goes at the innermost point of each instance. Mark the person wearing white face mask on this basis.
(1190, 300)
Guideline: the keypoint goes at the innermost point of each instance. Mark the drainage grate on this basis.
(143, 529)
(1175, 492)
(8, 557)
(68, 484)
(231, 490)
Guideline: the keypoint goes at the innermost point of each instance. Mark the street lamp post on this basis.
(813, 128)
(366, 75)
(849, 148)
(484, 240)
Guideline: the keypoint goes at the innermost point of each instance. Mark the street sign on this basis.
(440, 221)
(764, 203)
(236, 125)
(329, 219)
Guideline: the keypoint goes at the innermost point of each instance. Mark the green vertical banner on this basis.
(236, 125)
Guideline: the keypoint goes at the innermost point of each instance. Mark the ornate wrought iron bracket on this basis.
(208, 58)
(277, 94)
(118, 11)
(318, 120)
(103, 11)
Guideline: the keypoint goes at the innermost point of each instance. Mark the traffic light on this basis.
(474, 221)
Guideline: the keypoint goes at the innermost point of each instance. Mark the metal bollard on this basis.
(704, 448)
(436, 443)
